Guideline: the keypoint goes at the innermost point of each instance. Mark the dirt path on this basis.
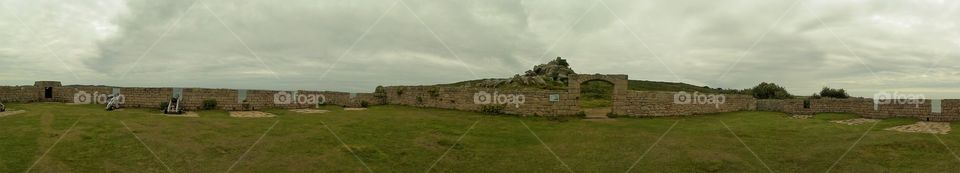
(597, 113)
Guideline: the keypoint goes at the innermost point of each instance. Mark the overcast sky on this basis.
(864, 46)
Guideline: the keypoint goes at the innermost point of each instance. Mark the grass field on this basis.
(406, 139)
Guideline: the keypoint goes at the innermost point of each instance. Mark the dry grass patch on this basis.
(251, 114)
(856, 121)
(309, 111)
(924, 127)
(11, 112)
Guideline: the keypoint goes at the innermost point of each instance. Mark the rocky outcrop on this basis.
(556, 70)
(553, 73)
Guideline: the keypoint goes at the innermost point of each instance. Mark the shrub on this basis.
(400, 92)
(493, 109)
(770, 91)
(582, 114)
(419, 100)
(557, 118)
(364, 103)
(434, 93)
(246, 105)
(209, 104)
(815, 96)
(164, 105)
(834, 93)
(613, 115)
(379, 89)
(596, 90)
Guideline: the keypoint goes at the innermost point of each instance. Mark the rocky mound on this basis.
(553, 73)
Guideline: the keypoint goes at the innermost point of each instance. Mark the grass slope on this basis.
(406, 139)
(642, 85)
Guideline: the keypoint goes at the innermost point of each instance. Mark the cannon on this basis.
(113, 101)
(174, 106)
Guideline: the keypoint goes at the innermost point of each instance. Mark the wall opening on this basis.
(596, 98)
(48, 92)
(806, 104)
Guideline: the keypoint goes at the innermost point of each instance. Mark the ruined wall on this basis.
(864, 107)
(535, 102)
(193, 98)
(661, 103)
(19, 93)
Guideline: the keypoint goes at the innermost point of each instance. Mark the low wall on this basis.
(535, 102)
(865, 107)
(19, 93)
(661, 103)
(227, 99)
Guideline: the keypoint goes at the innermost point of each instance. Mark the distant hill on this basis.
(643, 85)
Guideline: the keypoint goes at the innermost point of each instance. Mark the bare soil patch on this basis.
(11, 112)
(856, 121)
(185, 114)
(309, 111)
(355, 109)
(924, 127)
(251, 114)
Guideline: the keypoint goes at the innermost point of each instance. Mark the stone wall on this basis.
(227, 99)
(661, 103)
(535, 102)
(19, 93)
(864, 107)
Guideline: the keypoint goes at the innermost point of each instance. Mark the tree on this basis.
(834, 93)
(770, 91)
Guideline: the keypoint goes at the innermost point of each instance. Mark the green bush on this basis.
(582, 114)
(419, 100)
(164, 105)
(596, 90)
(246, 105)
(557, 118)
(209, 104)
(815, 96)
(493, 109)
(770, 91)
(434, 93)
(834, 93)
(364, 104)
(613, 115)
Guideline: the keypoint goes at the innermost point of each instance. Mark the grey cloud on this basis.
(299, 40)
